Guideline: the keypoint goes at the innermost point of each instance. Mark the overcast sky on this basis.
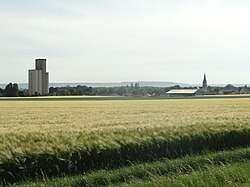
(126, 40)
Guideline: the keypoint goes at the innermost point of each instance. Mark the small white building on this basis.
(185, 92)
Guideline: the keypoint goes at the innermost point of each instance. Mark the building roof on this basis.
(227, 90)
(182, 91)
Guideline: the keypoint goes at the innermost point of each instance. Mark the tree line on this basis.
(12, 90)
(107, 91)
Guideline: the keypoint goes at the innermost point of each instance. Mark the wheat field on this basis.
(97, 133)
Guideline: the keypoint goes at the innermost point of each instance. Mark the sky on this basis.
(126, 40)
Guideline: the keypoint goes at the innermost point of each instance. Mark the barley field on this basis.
(57, 138)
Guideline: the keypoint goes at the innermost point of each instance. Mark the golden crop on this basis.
(59, 124)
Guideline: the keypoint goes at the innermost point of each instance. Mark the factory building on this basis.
(39, 79)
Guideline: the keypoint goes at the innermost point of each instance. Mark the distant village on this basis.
(38, 85)
(208, 90)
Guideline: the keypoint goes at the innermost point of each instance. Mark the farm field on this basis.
(43, 139)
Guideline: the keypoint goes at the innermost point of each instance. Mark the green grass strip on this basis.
(146, 171)
(234, 175)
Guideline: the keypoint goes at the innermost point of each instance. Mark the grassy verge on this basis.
(170, 171)
(235, 175)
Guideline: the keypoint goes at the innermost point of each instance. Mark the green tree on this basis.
(2, 92)
(176, 87)
(23, 93)
(229, 86)
(11, 90)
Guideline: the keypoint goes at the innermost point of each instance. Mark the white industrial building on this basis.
(185, 92)
(39, 79)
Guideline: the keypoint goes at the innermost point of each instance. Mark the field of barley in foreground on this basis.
(45, 139)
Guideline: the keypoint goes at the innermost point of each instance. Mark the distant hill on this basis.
(119, 84)
(111, 84)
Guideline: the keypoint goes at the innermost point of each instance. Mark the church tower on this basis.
(204, 84)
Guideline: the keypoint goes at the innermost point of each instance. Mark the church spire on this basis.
(204, 84)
